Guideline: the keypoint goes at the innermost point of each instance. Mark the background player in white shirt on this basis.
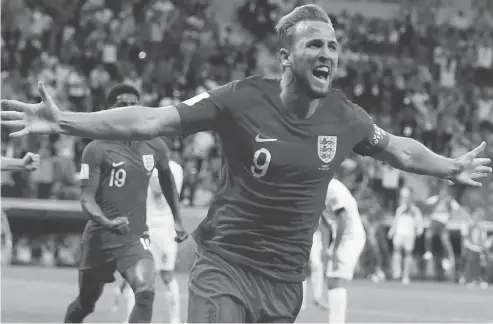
(163, 246)
(350, 238)
(406, 226)
(316, 271)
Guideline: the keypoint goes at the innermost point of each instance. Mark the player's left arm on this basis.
(410, 155)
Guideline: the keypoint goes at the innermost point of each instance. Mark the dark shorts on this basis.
(221, 292)
(438, 227)
(123, 260)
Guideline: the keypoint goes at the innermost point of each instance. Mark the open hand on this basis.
(470, 168)
(39, 118)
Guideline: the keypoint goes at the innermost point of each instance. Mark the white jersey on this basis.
(338, 197)
(158, 210)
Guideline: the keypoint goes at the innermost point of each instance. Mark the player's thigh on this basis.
(164, 249)
(216, 291)
(137, 266)
(397, 243)
(408, 244)
(92, 281)
(316, 251)
(345, 257)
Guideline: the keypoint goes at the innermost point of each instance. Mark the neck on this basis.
(295, 101)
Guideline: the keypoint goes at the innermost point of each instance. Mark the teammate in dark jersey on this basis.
(282, 142)
(114, 179)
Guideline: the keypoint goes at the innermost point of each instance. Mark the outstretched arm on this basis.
(411, 156)
(128, 123)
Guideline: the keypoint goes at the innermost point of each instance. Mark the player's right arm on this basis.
(128, 123)
(90, 172)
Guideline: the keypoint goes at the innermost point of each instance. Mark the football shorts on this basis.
(345, 256)
(163, 247)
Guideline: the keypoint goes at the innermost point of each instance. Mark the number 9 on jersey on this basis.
(261, 161)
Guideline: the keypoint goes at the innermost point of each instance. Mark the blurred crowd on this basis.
(417, 75)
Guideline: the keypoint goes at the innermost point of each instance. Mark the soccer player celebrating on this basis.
(114, 179)
(160, 218)
(29, 162)
(406, 226)
(282, 141)
(350, 238)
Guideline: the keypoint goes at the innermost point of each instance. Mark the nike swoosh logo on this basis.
(261, 140)
(115, 164)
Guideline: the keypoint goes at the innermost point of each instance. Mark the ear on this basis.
(285, 57)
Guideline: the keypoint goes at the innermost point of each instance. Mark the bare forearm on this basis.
(95, 213)
(11, 164)
(170, 192)
(127, 123)
(417, 158)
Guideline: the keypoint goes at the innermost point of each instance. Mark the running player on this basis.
(114, 180)
(29, 162)
(282, 141)
(350, 238)
(406, 226)
(443, 206)
(160, 220)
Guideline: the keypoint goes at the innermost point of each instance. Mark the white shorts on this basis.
(316, 251)
(345, 256)
(405, 242)
(163, 247)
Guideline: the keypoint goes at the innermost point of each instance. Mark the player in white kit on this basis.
(163, 245)
(316, 272)
(350, 238)
(406, 226)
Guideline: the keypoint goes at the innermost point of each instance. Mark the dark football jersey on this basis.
(275, 172)
(120, 171)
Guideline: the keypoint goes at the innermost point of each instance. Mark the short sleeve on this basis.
(202, 112)
(374, 139)
(90, 168)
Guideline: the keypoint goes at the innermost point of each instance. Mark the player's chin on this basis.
(320, 91)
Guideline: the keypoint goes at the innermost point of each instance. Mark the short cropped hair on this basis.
(310, 12)
(119, 89)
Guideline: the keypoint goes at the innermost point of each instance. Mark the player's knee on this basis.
(334, 283)
(144, 296)
(167, 276)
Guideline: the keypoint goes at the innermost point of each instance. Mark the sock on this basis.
(337, 305)
(129, 297)
(396, 265)
(142, 311)
(305, 291)
(173, 299)
(75, 313)
(317, 282)
(408, 261)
